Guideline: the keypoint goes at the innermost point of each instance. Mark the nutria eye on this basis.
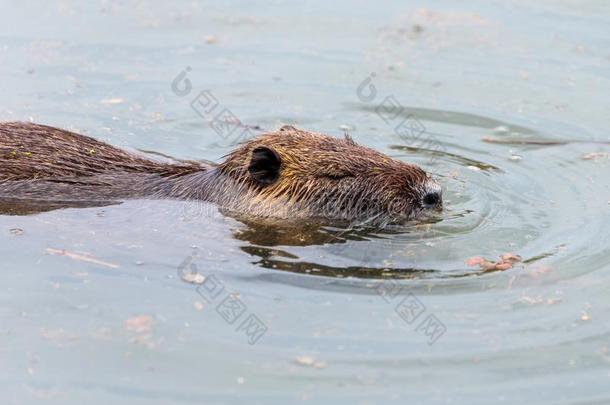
(265, 165)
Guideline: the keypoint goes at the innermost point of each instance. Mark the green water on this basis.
(505, 102)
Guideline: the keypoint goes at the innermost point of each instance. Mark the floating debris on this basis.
(193, 278)
(211, 39)
(59, 336)
(16, 231)
(81, 257)
(308, 361)
(501, 130)
(139, 324)
(596, 155)
(113, 101)
(506, 262)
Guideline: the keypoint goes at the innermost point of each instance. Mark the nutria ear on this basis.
(264, 165)
(285, 128)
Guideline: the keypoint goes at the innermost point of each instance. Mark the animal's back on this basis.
(33, 151)
(45, 163)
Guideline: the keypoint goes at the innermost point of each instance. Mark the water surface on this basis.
(505, 102)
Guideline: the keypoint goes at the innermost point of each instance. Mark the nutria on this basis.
(287, 174)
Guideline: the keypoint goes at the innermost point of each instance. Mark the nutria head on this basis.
(293, 173)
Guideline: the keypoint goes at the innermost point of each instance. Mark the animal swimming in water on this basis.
(287, 174)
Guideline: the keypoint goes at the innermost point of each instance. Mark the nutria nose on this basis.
(432, 199)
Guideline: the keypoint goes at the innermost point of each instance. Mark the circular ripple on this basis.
(533, 201)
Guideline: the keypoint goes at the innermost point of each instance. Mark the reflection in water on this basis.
(450, 117)
(539, 141)
(269, 261)
(14, 206)
(270, 242)
(264, 240)
(267, 234)
(462, 160)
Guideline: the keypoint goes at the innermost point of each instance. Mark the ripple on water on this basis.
(538, 206)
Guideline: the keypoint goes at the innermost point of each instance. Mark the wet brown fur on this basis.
(319, 175)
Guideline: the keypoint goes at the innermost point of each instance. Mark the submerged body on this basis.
(289, 174)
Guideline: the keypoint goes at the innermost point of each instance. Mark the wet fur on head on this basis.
(296, 173)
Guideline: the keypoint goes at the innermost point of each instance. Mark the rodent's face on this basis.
(333, 178)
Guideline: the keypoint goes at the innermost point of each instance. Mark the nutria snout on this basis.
(287, 174)
(433, 197)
